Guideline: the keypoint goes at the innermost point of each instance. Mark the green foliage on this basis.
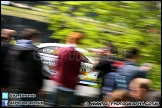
(127, 24)
(155, 76)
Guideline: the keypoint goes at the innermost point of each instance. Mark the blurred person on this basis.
(68, 69)
(30, 34)
(6, 34)
(140, 91)
(130, 70)
(5, 44)
(4, 48)
(74, 39)
(104, 66)
(9, 35)
(136, 87)
(111, 47)
(24, 66)
(117, 96)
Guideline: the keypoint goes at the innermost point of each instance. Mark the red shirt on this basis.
(68, 67)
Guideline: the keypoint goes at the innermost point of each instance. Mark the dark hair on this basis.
(111, 47)
(28, 33)
(128, 54)
(144, 86)
(133, 52)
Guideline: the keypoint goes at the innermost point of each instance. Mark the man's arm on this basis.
(143, 70)
(141, 73)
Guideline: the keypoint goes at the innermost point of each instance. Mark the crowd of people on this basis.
(21, 71)
(21, 66)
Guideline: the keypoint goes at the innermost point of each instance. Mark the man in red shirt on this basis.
(68, 69)
(68, 66)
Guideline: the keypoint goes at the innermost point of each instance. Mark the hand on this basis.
(145, 68)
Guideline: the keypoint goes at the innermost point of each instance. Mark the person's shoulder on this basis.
(66, 49)
(128, 68)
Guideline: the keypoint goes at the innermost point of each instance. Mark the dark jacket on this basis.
(130, 70)
(4, 49)
(104, 65)
(24, 67)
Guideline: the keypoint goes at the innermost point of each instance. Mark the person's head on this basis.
(111, 47)
(117, 95)
(7, 34)
(139, 87)
(31, 34)
(132, 54)
(74, 37)
(106, 51)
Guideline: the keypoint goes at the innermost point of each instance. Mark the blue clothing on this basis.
(130, 70)
(25, 43)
